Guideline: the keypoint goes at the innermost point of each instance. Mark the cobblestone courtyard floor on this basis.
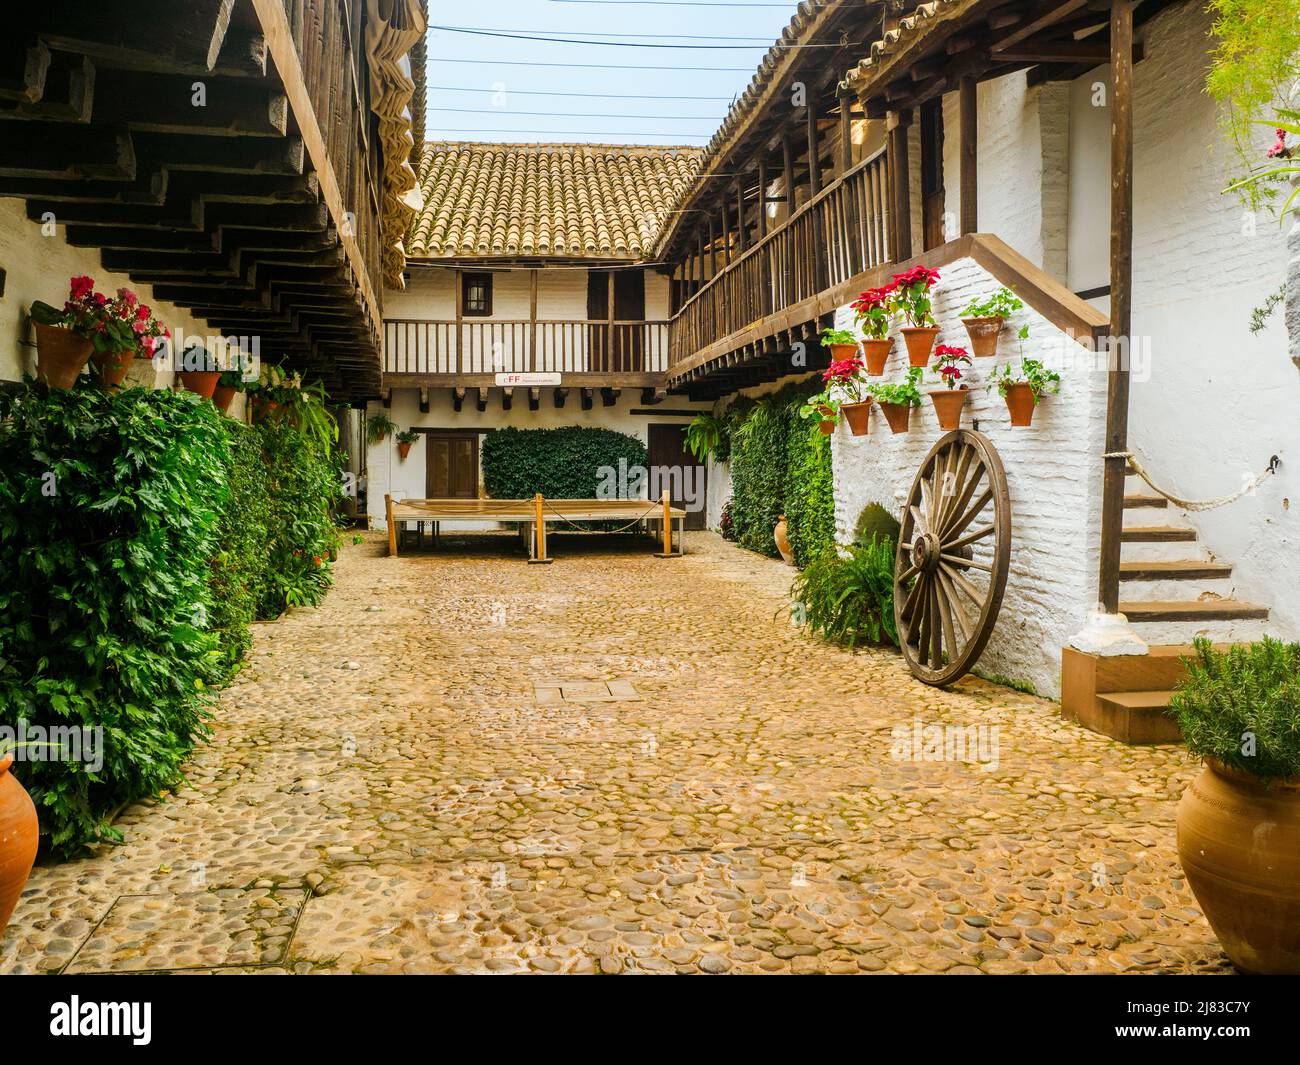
(619, 764)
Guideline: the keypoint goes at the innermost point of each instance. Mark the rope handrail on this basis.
(650, 510)
(1196, 504)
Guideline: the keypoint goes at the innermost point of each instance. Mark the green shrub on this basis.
(304, 484)
(559, 463)
(850, 601)
(239, 566)
(109, 512)
(875, 522)
(780, 466)
(1242, 706)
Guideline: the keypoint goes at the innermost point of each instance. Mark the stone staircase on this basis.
(1172, 589)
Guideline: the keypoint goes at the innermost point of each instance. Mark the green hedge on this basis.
(559, 463)
(109, 512)
(140, 533)
(780, 464)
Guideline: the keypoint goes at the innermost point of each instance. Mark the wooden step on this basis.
(1137, 717)
(1196, 610)
(1187, 570)
(1135, 500)
(1157, 534)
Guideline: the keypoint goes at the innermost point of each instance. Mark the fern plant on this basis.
(850, 601)
(705, 435)
(1242, 706)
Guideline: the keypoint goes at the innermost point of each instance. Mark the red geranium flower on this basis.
(81, 287)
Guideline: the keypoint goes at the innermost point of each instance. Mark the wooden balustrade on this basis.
(492, 346)
(839, 233)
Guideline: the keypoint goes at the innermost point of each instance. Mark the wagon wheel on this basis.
(953, 550)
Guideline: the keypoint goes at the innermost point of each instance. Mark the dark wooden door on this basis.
(672, 464)
(451, 466)
(932, 191)
(624, 351)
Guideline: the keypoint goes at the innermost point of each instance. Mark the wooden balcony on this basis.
(470, 353)
(774, 293)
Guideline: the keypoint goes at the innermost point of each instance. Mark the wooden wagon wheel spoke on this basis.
(944, 618)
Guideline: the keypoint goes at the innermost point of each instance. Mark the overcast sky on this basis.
(478, 91)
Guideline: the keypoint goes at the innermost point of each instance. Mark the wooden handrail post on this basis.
(897, 122)
(392, 525)
(1121, 291)
(667, 552)
(539, 532)
(969, 156)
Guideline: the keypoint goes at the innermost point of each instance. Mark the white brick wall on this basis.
(1052, 471)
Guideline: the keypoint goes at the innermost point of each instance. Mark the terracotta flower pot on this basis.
(858, 417)
(200, 382)
(263, 408)
(403, 450)
(1239, 843)
(781, 534)
(61, 355)
(842, 352)
(1020, 402)
(223, 396)
(827, 427)
(112, 367)
(876, 353)
(948, 404)
(899, 416)
(920, 342)
(983, 333)
(18, 839)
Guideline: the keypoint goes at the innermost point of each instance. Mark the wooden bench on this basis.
(532, 515)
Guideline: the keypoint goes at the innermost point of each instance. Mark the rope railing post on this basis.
(539, 533)
(392, 525)
(667, 520)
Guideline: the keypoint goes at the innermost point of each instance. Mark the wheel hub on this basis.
(925, 552)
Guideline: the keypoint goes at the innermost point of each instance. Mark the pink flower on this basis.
(128, 297)
(1279, 150)
(142, 313)
(140, 327)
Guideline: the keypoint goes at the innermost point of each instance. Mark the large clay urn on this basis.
(61, 355)
(1239, 843)
(781, 535)
(18, 839)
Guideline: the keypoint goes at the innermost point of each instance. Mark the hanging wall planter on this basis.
(223, 396)
(1021, 404)
(920, 342)
(18, 839)
(948, 404)
(112, 367)
(898, 415)
(983, 333)
(61, 355)
(200, 382)
(876, 353)
(857, 416)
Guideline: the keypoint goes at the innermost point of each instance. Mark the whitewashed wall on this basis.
(388, 473)
(38, 267)
(561, 295)
(1052, 471)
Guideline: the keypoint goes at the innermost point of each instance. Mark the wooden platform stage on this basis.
(532, 516)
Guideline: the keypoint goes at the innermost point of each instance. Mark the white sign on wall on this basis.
(527, 380)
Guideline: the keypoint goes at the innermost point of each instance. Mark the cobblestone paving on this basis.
(394, 785)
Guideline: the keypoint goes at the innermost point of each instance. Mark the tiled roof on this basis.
(924, 20)
(593, 201)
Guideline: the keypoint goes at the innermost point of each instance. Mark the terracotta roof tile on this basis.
(927, 18)
(593, 201)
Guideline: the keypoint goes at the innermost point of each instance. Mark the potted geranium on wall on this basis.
(404, 441)
(871, 309)
(844, 382)
(897, 400)
(985, 318)
(66, 339)
(1239, 821)
(949, 400)
(911, 299)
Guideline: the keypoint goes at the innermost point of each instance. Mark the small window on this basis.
(476, 295)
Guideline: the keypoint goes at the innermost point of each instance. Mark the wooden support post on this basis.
(539, 532)
(814, 151)
(969, 194)
(726, 235)
(741, 236)
(532, 320)
(762, 197)
(1121, 292)
(392, 525)
(897, 122)
(713, 249)
(667, 552)
(456, 285)
(846, 133)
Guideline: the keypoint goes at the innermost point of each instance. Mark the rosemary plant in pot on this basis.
(1239, 820)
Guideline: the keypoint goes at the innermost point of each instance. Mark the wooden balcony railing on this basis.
(839, 233)
(476, 348)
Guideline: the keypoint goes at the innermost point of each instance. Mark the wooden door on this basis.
(624, 351)
(451, 466)
(932, 191)
(668, 453)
